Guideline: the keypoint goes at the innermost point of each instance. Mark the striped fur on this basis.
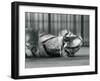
(65, 44)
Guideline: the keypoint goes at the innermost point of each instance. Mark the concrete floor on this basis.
(81, 58)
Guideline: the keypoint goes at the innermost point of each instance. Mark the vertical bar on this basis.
(60, 22)
(74, 23)
(82, 28)
(49, 23)
(55, 24)
(67, 22)
(28, 20)
(40, 23)
(52, 23)
(43, 21)
(79, 24)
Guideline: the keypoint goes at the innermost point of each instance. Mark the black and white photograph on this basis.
(54, 40)
(50, 40)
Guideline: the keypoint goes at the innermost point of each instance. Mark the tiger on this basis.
(64, 44)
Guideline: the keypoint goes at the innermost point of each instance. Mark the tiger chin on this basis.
(65, 44)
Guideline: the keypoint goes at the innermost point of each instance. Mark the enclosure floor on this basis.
(81, 58)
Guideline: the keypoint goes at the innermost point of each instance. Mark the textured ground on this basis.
(81, 58)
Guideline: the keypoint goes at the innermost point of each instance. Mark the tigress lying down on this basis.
(65, 44)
